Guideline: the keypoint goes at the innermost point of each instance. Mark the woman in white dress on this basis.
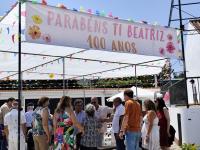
(150, 128)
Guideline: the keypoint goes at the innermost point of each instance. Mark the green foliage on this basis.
(190, 147)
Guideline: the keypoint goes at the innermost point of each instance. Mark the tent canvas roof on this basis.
(141, 94)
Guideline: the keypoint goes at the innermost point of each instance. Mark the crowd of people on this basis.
(73, 127)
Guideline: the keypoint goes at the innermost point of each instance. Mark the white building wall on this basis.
(192, 57)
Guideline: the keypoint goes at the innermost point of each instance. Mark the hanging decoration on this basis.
(61, 6)
(23, 13)
(81, 9)
(89, 11)
(97, 13)
(8, 29)
(74, 9)
(102, 13)
(110, 15)
(34, 1)
(44, 2)
(51, 75)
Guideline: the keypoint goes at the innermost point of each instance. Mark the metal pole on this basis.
(19, 72)
(183, 51)
(136, 80)
(63, 76)
(170, 14)
(84, 90)
(198, 88)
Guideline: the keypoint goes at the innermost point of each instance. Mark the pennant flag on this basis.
(81, 9)
(13, 24)
(74, 9)
(103, 13)
(13, 38)
(166, 97)
(51, 75)
(8, 29)
(89, 11)
(23, 13)
(179, 37)
(110, 15)
(34, 1)
(131, 20)
(23, 31)
(44, 2)
(97, 13)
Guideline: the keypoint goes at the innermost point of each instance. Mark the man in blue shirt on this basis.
(29, 116)
(80, 115)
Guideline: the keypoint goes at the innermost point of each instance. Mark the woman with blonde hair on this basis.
(63, 122)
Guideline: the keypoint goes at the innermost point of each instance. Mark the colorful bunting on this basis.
(81, 9)
(97, 13)
(8, 29)
(51, 75)
(89, 11)
(34, 1)
(74, 9)
(44, 2)
(110, 15)
(23, 13)
(23, 31)
(103, 13)
(13, 38)
(61, 6)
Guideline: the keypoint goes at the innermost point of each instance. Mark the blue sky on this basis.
(139, 10)
(150, 11)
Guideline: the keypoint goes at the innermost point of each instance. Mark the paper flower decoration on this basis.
(169, 37)
(46, 38)
(162, 51)
(51, 75)
(37, 19)
(34, 32)
(170, 47)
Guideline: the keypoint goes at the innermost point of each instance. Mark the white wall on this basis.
(192, 56)
(190, 122)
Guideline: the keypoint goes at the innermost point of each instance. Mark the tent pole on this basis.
(136, 80)
(84, 90)
(183, 51)
(63, 76)
(19, 72)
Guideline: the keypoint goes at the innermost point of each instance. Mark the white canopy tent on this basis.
(40, 60)
(142, 94)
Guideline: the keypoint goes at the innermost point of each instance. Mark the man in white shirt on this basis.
(116, 122)
(11, 128)
(4, 109)
(101, 113)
